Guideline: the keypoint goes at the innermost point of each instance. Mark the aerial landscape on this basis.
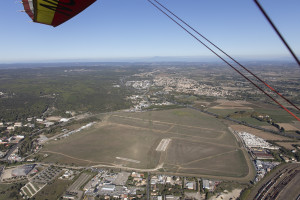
(152, 121)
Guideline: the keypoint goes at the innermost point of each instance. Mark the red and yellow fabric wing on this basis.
(54, 12)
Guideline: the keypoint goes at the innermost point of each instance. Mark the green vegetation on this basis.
(11, 191)
(168, 189)
(163, 107)
(54, 190)
(226, 185)
(26, 146)
(245, 193)
(31, 92)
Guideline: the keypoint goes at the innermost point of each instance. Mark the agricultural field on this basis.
(181, 141)
(225, 108)
(54, 190)
(288, 145)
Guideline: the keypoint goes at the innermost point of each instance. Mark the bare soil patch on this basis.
(224, 104)
(53, 118)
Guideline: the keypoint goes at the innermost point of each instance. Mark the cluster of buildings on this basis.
(135, 185)
(176, 187)
(139, 103)
(8, 142)
(190, 86)
(13, 139)
(11, 126)
(142, 102)
(263, 167)
(169, 84)
(115, 185)
(209, 185)
(168, 187)
(14, 157)
(106, 184)
(252, 141)
(31, 122)
(139, 85)
(258, 148)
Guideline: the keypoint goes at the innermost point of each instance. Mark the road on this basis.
(148, 186)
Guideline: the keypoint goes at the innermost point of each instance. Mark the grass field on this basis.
(53, 190)
(288, 145)
(10, 191)
(200, 144)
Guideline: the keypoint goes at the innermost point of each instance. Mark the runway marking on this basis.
(128, 159)
(168, 123)
(162, 146)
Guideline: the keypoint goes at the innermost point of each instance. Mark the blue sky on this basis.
(121, 29)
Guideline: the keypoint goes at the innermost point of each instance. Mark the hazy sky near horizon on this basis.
(113, 29)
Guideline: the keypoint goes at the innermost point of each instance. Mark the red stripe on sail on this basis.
(27, 9)
(66, 9)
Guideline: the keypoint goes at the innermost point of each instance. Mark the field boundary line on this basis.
(159, 131)
(218, 144)
(216, 155)
(213, 170)
(162, 122)
(89, 161)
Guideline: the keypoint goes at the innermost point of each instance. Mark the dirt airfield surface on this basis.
(198, 144)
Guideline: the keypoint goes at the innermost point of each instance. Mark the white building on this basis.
(39, 120)
(64, 120)
(108, 188)
(18, 124)
(11, 128)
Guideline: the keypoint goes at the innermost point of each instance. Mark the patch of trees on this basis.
(26, 146)
(33, 91)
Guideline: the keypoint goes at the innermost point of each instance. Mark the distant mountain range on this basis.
(156, 59)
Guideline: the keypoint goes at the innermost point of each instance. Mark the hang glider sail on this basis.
(54, 12)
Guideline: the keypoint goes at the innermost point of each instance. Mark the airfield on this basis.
(178, 141)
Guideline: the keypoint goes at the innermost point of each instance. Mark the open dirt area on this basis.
(224, 104)
(259, 133)
(53, 118)
(198, 144)
(234, 194)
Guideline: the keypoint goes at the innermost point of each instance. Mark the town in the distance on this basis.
(159, 131)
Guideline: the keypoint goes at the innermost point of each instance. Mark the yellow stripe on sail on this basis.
(45, 11)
